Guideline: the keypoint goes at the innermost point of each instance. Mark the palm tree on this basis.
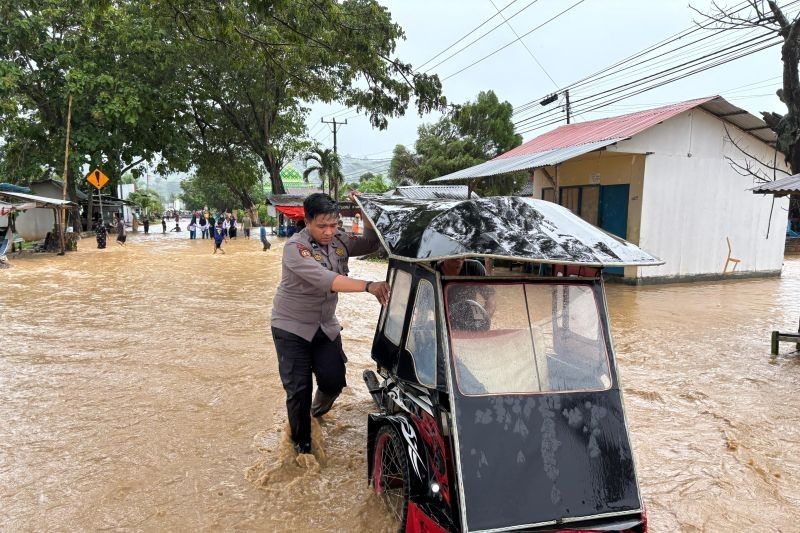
(327, 165)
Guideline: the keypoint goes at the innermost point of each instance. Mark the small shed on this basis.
(43, 217)
(288, 205)
(668, 179)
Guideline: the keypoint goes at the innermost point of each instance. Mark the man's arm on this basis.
(379, 289)
(299, 259)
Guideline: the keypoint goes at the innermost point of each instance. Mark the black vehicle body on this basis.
(509, 419)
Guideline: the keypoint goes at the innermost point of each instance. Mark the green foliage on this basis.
(148, 202)
(326, 164)
(112, 59)
(191, 83)
(469, 135)
(222, 184)
(372, 183)
(403, 166)
(252, 67)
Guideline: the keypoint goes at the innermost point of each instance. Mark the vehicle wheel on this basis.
(390, 476)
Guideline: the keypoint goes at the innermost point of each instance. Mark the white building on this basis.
(667, 179)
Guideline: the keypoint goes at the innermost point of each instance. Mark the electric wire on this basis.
(554, 17)
(451, 56)
(588, 107)
(523, 44)
(664, 42)
(707, 58)
(473, 30)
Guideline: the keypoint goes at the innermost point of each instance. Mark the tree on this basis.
(239, 187)
(372, 183)
(403, 166)
(326, 164)
(147, 201)
(468, 135)
(772, 18)
(112, 59)
(256, 65)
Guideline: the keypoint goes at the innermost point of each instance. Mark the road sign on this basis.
(97, 178)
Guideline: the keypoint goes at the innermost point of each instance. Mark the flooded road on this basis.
(139, 390)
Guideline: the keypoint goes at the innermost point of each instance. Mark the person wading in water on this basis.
(304, 325)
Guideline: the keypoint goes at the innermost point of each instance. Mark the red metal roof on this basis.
(603, 129)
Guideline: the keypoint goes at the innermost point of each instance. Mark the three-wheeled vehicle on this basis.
(499, 403)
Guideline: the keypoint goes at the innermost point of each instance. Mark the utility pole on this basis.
(553, 97)
(66, 166)
(335, 126)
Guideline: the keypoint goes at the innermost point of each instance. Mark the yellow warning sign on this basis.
(97, 178)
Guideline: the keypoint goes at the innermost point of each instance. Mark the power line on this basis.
(477, 39)
(674, 38)
(473, 30)
(705, 59)
(588, 107)
(523, 44)
(579, 2)
(613, 99)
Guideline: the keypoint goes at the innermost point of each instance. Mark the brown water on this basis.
(139, 390)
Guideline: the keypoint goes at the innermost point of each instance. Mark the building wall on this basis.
(604, 168)
(693, 199)
(34, 224)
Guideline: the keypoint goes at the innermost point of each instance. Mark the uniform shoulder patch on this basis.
(305, 252)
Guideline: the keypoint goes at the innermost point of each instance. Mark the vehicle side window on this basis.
(421, 341)
(396, 312)
(382, 318)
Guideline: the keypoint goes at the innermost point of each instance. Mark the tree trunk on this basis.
(249, 206)
(274, 169)
(253, 212)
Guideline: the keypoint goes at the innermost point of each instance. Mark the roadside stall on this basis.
(38, 218)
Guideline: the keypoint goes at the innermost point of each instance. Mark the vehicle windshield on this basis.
(524, 338)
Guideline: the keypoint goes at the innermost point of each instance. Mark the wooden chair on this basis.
(730, 259)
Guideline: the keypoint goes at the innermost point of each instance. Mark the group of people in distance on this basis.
(205, 224)
(220, 230)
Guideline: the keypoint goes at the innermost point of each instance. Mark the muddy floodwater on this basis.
(139, 391)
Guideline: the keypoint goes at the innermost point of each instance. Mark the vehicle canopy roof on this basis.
(504, 227)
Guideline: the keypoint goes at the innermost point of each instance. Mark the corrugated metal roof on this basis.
(781, 187)
(38, 199)
(286, 199)
(10, 187)
(621, 127)
(503, 165)
(431, 192)
(526, 190)
(572, 140)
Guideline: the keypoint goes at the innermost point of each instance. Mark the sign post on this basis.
(64, 178)
(98, 180)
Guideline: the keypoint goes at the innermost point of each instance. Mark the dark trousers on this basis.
(297, 360)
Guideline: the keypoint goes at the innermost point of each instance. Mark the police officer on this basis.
(304, 327)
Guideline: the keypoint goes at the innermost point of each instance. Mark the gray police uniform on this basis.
(304, 325)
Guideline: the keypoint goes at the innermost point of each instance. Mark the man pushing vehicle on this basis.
(304, 325)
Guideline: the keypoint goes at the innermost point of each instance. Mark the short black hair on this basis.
(319, 203)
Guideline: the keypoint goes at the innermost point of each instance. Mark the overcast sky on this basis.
(589, 37)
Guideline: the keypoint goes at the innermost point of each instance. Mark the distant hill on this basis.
(165, 186)
(354, 167)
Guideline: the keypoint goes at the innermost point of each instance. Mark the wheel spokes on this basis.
(393, 479)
